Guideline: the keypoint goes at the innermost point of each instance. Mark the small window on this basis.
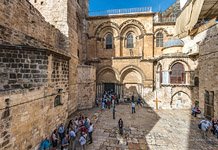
(109, 41)
(57, 101)
(159, 39)
(129, 41)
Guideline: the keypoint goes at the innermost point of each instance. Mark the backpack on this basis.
(199, 126)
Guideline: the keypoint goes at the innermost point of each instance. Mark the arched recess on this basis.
(108, 79)
(160, 35)
(108, 75)
(132, 22)
(181, 100)
(138, 46)
(185, 64)
(107, 25)
(132, 67)
(101, 32)
(132, 79)
(159, 75)
(163, 30)
(186, 77)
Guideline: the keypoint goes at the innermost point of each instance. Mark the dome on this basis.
(173, 43)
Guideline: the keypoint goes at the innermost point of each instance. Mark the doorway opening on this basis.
(109, 87)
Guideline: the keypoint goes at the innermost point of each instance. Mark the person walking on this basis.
(65, 143)
(90, 131)
(120, 124)
(133, 107)
(61, 131)
(72, 136)
(114, 112)
(139, 102)
(82, 141)
(54, 139)
(133, 99)
(45, 144)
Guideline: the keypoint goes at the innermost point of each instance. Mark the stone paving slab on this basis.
(147, 130)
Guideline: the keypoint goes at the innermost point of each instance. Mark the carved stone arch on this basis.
(133, 22)
(108, 68)
(131, 67)
(161, 30)
(159, 65)
(107, 24)
(184, 100)
(185, 64)
(180, 92)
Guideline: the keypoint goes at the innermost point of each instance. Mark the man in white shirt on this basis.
(133, 107)
(205, 125)
(82, 141)
(90, 132)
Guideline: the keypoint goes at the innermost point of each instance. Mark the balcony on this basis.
(121, 11)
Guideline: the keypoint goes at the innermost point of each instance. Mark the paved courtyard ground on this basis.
(147, 130)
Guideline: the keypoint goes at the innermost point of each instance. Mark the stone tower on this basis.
(68, 16)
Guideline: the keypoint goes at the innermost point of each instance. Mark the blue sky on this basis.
(98, 5)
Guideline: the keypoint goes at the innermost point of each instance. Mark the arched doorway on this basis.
(132, 81)
(108, 80)
(181, 100)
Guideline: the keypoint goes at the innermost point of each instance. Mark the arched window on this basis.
(159, 39)
(177, 75)
(109, 41)
(129, 41)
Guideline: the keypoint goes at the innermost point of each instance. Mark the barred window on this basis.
(129, 41)
(109, 41)
(177, 75)
(57, 101)
(159, 39)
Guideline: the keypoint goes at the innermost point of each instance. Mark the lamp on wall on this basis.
(60, 90)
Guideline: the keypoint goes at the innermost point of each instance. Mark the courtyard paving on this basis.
(147, 130)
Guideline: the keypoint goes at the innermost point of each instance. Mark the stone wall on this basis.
(26, 26)
(69, 16)
(208, 64)
(86, 86)
(31, 80)
(22, 68)
(38, 78)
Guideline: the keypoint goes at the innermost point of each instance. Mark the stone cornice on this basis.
(30, 48)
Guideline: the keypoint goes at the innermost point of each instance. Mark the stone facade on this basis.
(208, 73)
(129, 70)
(87, 86)
(134, 71)
(38, 73)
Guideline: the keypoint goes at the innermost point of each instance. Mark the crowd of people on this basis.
(209, 126)
(109, 99)
(78, 131)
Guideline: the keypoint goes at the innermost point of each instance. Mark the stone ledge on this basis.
(31, 48)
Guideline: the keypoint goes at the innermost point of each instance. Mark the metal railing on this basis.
(165, 19)
(120, 11)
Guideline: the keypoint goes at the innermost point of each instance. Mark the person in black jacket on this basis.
(120, 124)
